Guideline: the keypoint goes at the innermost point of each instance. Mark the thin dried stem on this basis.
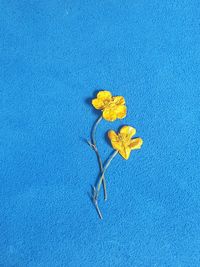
(96, 191)
(96, 203)
(105, 168)
(93, 145)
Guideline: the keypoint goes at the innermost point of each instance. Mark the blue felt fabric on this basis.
(55, 55)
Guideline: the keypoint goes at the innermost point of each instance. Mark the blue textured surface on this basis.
(54, 56)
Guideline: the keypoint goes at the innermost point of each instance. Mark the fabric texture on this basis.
(55, 57)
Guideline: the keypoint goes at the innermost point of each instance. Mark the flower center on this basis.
(109, 103)
(124, 138)
(106, 102)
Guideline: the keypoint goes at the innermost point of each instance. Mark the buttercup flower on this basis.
(112, 107)
(123, 142)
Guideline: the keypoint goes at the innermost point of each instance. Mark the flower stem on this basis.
(96, 192)
(105, 168)
(94, 146)
(96, 203)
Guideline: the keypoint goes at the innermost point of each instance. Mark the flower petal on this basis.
(128, 130)
(121, 111)
(119, 100)
(136, 143)
(125, 152)
(98, 103)
(109, 114)
(113, 136)
(117, 145)
(104, 95)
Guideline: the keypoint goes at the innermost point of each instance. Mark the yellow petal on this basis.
(121, 111)
(125, 152)
(109, 114)
(104, 95)
(128, 130)
(117, 145)
(113, 136)
(119, 100)
(98, 103)
(136, 143)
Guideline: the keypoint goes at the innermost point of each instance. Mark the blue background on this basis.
(55, 56)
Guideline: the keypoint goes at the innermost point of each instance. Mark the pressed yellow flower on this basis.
(123, 142)
(113, 107)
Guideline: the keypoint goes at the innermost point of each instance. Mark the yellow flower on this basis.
(113, 107)
(123, 142)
